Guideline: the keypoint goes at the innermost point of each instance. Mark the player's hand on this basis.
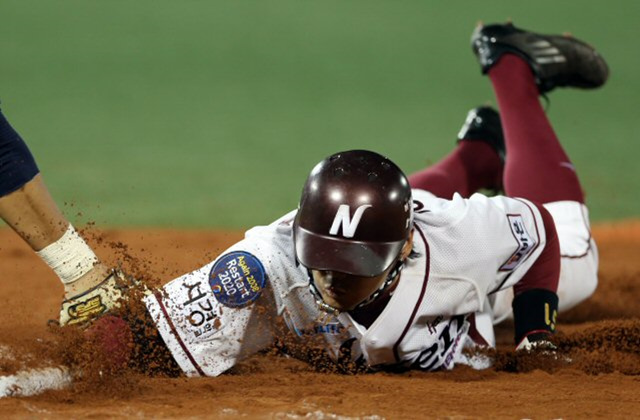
(95, 302)
(540, 344)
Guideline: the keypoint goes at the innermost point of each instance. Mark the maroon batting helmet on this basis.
(355, 214)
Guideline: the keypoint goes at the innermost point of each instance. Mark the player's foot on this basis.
(483, 124)
(556, 60)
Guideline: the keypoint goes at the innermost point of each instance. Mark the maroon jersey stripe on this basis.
(195, 364)
(424, 288)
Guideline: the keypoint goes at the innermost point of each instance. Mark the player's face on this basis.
(345, 291)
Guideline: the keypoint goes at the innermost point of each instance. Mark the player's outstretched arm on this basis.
(32, 214)
(535, 304)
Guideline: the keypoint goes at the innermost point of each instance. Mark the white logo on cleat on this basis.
(545, 53)
(540, 44)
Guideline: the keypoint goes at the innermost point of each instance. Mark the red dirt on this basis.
(602, 337)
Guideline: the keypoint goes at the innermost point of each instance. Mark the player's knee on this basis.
(17, 166)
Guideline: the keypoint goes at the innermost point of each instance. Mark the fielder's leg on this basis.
(28, 208)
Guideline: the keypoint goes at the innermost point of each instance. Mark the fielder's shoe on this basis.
(483, 124)
(556, 60)
(95, 302)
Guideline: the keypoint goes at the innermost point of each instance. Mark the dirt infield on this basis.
(602, 337)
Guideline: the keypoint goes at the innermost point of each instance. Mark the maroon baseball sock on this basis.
(537, 168)
(472, 165)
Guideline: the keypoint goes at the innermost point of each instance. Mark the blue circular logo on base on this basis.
(237, 279)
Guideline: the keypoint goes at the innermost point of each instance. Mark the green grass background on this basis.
(211, 114)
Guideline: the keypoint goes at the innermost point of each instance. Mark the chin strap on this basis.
(391, 278)
(323, 306)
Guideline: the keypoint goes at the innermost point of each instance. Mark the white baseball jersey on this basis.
(465, 249)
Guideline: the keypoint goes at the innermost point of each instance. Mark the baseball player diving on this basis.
(381, 271)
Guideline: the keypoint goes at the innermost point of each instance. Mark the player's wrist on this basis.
(535, 314)
(87, 281)
(70, 257)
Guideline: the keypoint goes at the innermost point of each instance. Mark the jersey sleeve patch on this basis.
(525, 243)
(237, 279)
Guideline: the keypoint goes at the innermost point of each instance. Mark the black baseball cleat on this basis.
(556, 60)
(483, 124)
